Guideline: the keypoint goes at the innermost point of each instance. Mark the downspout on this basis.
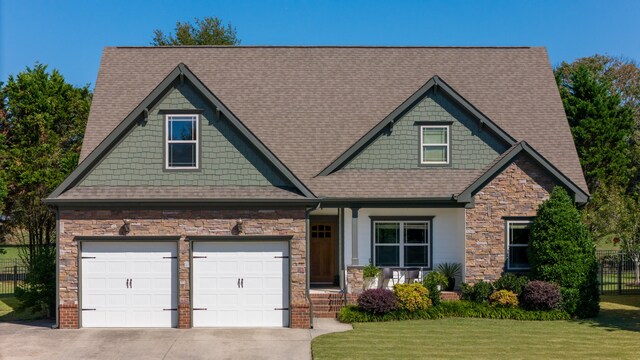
(307, 276)
(57, 309)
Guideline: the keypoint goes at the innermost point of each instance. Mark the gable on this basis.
(398, 147)
(226, 158)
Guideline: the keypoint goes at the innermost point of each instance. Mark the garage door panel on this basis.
(263, 268)
(129, 284)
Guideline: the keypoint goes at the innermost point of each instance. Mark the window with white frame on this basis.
(402, 243)
(518, 232)
(182, 142)
(434, 144)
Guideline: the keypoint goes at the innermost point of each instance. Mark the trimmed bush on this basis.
(504, 298)
(378, 301)
(434, 293)
(412, 297)
(540, 295)
(478, 293)
(561, 252)
(461, 309)
(511, 282)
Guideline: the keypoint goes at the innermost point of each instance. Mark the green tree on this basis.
(42, 121)
(618, 216)
(622, 74)
(209, 31)
(603, 128)
(561, 252)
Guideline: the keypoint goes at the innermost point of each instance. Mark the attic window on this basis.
(181, 149)
(434, 144)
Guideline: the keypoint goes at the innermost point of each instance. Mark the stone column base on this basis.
(355, 279)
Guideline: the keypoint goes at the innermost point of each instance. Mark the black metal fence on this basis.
(12, 274)
(616, 273)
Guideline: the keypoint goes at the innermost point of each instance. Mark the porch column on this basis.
(354, 235)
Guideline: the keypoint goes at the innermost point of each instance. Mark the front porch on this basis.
(343, 240)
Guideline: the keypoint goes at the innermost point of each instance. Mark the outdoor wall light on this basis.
(126, 228)
(240, 226)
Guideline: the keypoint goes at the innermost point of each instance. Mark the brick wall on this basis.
(517, 191)
(182, 223)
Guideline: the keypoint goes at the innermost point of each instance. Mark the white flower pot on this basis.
(371, 283)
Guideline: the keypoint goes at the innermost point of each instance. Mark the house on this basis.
(216, 185)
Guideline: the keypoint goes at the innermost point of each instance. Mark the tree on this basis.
(209, 31)
(603, 127)
(42, 121)
(561, 252)
(623, 76)
(619, 215)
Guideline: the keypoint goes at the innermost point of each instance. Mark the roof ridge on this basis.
(320, 47)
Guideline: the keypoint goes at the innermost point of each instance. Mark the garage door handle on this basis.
(127, 282)
(242, 283)
(194, 309)
(238, 283)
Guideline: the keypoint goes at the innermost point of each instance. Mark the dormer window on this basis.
(181, 151)
(434, 144)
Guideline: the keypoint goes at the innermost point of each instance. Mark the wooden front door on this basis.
(322, 252)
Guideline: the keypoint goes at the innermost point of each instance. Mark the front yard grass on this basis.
(12, 252)
(613, 334)
(8, 312)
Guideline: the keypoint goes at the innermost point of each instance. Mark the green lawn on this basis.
(8, 312)
(614, 334)
(12, 252)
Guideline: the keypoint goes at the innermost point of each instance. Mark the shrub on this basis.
(561, 251)
(461, 309)
(370, 271)
(412, 297)
(451, 271)
(438, 278)
(511, 282)
(540, 295)
(434, 294)
(504, 298)
(378, 301)
(478, 293)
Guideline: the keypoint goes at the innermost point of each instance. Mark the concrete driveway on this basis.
(39, 341)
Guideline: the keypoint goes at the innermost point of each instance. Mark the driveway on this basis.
(39, 341)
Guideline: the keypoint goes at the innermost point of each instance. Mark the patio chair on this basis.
(387, 274)
(411, 275)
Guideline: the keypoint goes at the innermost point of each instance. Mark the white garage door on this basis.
(240, 284)
(129, 284)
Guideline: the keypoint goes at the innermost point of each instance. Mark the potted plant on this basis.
(371, 275)
(438, 278)
(451, 271)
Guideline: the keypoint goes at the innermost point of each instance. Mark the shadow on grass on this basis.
(9, 313)
(617, 312)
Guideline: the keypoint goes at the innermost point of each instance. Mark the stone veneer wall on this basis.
(182, 223)
(517, 191)
(355, 279)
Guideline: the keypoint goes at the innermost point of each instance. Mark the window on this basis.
(434, 144)
(402, 243)
(182, 142)
(517, 244)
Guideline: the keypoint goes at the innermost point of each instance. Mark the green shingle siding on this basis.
(226, 158)
(471, 147)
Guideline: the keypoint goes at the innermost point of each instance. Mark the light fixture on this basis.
(126, 228)
(240, 226)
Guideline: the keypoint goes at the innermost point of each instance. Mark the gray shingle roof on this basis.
(309, 104)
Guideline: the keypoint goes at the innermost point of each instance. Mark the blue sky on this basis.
(70, 35)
